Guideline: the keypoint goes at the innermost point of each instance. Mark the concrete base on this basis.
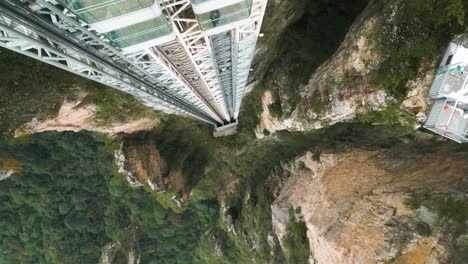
(226, 130)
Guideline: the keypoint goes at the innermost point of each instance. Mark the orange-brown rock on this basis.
(145, 162)
(353, 203)
(76, 116)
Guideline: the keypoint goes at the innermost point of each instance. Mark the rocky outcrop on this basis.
(127, 246)
(342, 86)
(108, 253)
(416, 100)
(355, 203)
(145, 165)
(5, 173)
(278, 16)
(76, 116)
(267, 122)
(145, 162)
(8, 167)
(337, 90)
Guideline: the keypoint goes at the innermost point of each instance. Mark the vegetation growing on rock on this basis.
(29, 89)
(68, 202)
(414, 33)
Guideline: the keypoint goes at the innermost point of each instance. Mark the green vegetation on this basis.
(413, 34)
(452, 215)
(423, 229)
(256, 174)
(296, 239)
(390, 116)
(26, 91)
(68, 202)
(251, 109)
(115, 106)
(30, 88)
(311, 40)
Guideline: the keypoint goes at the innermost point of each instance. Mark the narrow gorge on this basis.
(330, 163)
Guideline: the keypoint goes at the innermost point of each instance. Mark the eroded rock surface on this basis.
(76, 116)
(354, 203)
(144, 161)
(342, 87)
(267, 122)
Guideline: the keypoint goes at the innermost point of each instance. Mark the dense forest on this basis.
(68, 202)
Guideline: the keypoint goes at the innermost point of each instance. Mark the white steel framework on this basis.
(197, 46)
(22, 39)
(246, 38)
(203, 73)
(148, 63)
(449, 114)
(178, 56)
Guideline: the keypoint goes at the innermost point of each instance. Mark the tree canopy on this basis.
(68, 202)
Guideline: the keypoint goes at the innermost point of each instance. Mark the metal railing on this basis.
(447, 127)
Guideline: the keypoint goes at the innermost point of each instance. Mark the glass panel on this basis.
(454, 78)
(225, 15)
(141, 32)
(198, 1)
(93, 11)
(454, 82)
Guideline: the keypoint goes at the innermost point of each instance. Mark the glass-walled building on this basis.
(188, 57)
(93, 11)
(218, 16)
(132, 25)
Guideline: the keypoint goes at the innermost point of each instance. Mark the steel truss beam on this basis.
(179, 58)
(18, 37)
(223, 52)
(201, 76)
(197, 47)
(233, 52)
(149, 66)
(246, 38)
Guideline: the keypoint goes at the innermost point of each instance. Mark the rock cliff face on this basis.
(355, 203)
(76, 116)
(416, 101)
(267, 122)
(342, 86)
(146, 165)
(127, 247)
(279, 15)
(341, 83)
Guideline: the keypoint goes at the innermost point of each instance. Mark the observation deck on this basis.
(449, 114)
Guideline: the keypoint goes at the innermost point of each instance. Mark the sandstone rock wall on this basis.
(342, 86)
(76, 116)
(146, 164)
(354, 202)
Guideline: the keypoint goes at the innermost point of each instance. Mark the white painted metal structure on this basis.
(449, 114)
(155, 50)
